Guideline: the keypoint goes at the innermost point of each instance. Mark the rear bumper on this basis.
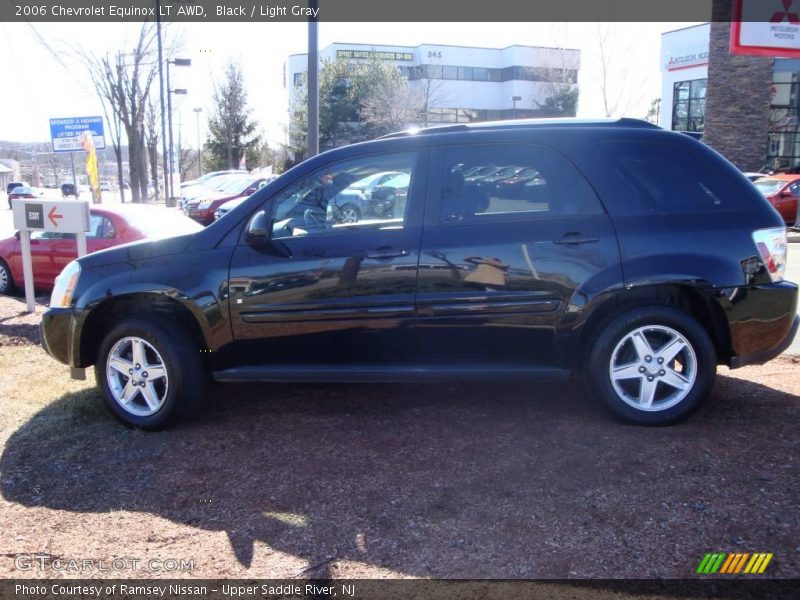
(762, 356)
(763, 322)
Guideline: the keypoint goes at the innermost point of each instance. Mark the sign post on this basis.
(57, 216)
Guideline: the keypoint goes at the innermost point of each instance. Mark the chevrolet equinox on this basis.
(637, 258)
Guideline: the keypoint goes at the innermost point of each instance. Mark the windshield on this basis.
(769, 187)
(158, 223)
(234, 184)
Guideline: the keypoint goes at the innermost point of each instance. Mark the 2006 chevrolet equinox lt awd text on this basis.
(636, 257)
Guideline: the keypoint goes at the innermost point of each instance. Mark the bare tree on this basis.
(431, 93)
(123, 81)
(152, 138)
(620, 94)
(187, 162)
(392, 106)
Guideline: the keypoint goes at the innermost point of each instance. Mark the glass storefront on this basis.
(689, 105)
(783, 150)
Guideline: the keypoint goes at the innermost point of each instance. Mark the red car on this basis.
(782, 192)
(108, 227)
(203, 210)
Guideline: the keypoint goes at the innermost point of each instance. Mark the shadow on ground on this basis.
(449, 481)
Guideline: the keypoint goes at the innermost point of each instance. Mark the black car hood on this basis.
(135, 251)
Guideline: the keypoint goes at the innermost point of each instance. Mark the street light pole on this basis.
(197, 112)
(161, 98)
(178, 62)
(168, 158)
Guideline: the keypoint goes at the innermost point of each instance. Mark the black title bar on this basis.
(356, 10)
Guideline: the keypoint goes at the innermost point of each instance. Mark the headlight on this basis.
(204, 205)
(65, 286)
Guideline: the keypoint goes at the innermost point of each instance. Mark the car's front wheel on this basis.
(150, 376)
(652, 365)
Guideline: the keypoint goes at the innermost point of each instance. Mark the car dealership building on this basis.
(747, 107)
(471, 84)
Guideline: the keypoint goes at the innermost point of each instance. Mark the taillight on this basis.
(771, 245)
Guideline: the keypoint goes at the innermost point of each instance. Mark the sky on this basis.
(48, 83)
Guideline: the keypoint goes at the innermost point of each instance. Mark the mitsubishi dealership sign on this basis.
(766, 28)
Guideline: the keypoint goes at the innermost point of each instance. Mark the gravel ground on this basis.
(455, 481)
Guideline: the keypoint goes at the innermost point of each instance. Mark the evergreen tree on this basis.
(231, 130)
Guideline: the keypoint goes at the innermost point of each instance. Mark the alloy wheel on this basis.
(653, 368)
(137, 376)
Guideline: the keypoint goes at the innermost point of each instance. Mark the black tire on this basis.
(6, 279)
(184, 385)
(350, 207)
(695, 365)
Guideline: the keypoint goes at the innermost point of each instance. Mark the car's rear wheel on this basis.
(349, 213)
(653, 365)
(150, 375)
(6, 279)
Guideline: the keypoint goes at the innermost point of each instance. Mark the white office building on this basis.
(472, 84)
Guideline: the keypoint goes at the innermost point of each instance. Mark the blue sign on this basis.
(67, 134)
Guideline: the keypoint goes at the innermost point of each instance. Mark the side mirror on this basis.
(258, 228)
(787, 193)
(17, 234)
(249, 191)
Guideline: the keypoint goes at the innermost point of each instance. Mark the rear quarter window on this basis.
(669, 179)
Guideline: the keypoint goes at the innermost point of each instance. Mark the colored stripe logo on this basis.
(734, 563)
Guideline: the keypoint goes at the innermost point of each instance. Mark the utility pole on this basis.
(313, 84)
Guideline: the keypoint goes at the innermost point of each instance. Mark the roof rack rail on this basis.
(523, 123)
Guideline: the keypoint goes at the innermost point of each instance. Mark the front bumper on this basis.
(60, 335)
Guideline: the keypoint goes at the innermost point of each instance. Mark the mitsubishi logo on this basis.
(792, 17)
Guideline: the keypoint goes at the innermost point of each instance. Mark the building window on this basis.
(689, 105)
(512, 73)
(298, 79)
(783, 151)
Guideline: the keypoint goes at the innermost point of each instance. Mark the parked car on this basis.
(782, 192)
(228, 206)
(646, 261)
(105, 186)
(203, 211)
(192, 195)
(15, 184)
(356, 200)
(51, 252)
(23, 191)
(206, 177)
(69, 189)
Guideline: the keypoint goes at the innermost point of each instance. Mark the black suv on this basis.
(634, 256)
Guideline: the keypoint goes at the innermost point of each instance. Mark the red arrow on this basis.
(53, 215)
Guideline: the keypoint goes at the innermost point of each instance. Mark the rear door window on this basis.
(670, 179)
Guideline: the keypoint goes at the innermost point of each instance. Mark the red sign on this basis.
(53, 215)
(766, 28)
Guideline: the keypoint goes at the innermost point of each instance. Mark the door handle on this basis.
(384, 253)
(575, 238)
